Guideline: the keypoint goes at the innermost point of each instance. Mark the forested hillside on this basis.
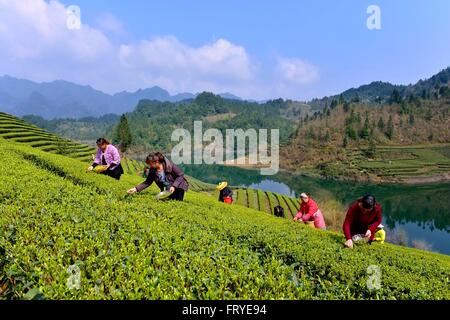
(385, 92)
(84, 129)
(362, 140)
(152, 122)
(355, 134)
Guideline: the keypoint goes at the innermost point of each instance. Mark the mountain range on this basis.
(63, 99)
(382, 92)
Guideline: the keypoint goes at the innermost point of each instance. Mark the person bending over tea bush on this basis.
(362, 220)
(107, 160)
(166, 175)
(309, 212)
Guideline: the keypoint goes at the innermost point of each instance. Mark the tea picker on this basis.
(362, 222)
(225, 194)
(168, 177)
(309, 213)
(107, 160)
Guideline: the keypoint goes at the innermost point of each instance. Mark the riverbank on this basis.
(389, 164)
(363, 177)
(355, 176)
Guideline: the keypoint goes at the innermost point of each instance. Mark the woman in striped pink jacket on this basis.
(109, 156)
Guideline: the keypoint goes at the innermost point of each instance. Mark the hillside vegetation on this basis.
(152, 122)
(402, 140)
(381, 92)
(68, 234)
(336, 136)
(18, 130)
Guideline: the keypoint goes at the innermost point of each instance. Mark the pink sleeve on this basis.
(115, 155)
(299, 212)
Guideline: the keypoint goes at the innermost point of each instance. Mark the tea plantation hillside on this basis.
(260, 200)
(18, 130)
(266, 201)
(69, 234)
(131, 166)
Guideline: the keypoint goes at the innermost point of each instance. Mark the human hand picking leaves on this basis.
(132, 190)
(349, 243)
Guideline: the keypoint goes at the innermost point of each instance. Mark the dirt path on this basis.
(443, 177)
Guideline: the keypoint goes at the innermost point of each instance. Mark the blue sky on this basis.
(293, 49)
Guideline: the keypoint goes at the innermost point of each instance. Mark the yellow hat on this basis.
(222, 185)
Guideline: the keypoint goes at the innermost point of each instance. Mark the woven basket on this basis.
(100, 169)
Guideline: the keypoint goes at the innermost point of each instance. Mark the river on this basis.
(414, 215)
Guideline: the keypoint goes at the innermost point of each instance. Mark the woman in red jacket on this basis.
(363, 217)
(309, 211)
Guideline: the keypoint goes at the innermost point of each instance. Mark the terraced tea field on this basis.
(131, 166)
(18, 130)
(266, 201)
(404, 162)
(69, 234)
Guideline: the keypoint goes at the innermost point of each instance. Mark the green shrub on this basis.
(60, 224)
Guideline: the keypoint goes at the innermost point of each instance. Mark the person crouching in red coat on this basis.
(363, 217)
(310, 212)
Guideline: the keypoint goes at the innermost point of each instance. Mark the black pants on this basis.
(115, 173)
(178, 194)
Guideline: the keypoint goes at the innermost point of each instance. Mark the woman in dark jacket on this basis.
(166, 175)
(225, 194)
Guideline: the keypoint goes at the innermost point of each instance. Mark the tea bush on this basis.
(19, 130)
(69, 234)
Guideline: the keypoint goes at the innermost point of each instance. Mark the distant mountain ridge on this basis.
(381, 92)
(64, 99)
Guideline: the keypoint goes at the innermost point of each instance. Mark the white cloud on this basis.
(181, 67)
(108, 22)
(36, 44)
(34, 28)
(297, 71)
